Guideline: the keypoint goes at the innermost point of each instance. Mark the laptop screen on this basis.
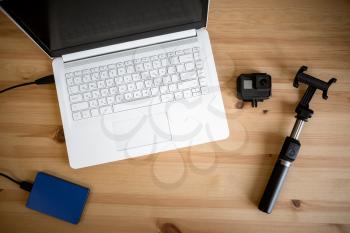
(66, 26)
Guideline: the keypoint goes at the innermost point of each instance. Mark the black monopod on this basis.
(291, 145)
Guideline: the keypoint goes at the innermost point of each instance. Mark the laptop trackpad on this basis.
(141, 130)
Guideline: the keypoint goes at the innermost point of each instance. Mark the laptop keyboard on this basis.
(147, 81)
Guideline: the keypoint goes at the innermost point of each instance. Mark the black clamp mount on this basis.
(292, 145)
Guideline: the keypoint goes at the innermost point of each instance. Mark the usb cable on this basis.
(44, 80)
(25, 185)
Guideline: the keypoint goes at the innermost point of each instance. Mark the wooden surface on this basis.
(214, 187)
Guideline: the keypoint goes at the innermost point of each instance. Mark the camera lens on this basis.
(263, 82)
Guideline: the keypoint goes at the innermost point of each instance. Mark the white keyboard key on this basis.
(78, 80)
(93, 104)
(69, 75)
(145, 75)
(153, 73)
(136, 77)
(76, 98)
(175, 78)
(170, 54)
(137, 61)
(205, 90)
(174, 60)
(92, 86)
(167, 98)
(203, 82)
(119, 80)
(127, 78)
(104, 92)
(94, 112)
(187, 51)
(119, 98)
(180, 68)
(87, 96)
(172, 87)
(113, 90)
(196, 56)
(137, 94)
(94, 70)
(188, 85)
(145, 59)
(104, 74)
(139, 67)
(178, 95)
(188, 75)
(196, 93)
(136, 104)
(201, 72)
(78, 73)
(130, 69)
(77, 116)
(157, 81)
(146, 93)
(103, 68)
(70, 81)
(187, 94)
(155, 91)
(165, 62)
(80, 106)
(196, 49)
(171, 70)
(186, 58)
(196, 89)
(131, 87)
(129, 63)
(128, 96)
(189, 66)
(121, 71)
(157, 64)
(122, 88)
(112, 73)
(101, 84)
(96, 94)
(162, 71)
(139, 85)
(163, 89)
(179, 52)
(106, 110)
(148, 83)
(162, 56)
(86, 78)
(84, 88)
(73, 90)
(112, 66)
(148, 66)
(86, 114)
(166, 79)
(120, 64)
(199, 64)
(102, 102)
(153, 58)
(95, 76)
(110, 82)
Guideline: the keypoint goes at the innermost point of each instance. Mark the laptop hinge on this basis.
(128, 45)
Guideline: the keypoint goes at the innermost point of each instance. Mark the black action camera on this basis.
(254, 87)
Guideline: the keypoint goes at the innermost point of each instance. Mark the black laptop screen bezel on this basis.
(60, 52)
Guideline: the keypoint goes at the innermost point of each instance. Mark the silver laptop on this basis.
(133, 77)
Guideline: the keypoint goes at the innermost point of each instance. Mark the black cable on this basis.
(25, 185)
(44, 80)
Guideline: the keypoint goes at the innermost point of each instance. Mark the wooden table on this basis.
(214, 187)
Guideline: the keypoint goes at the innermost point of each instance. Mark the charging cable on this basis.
(41, 81)
(25, 185)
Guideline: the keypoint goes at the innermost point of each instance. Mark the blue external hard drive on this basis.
(58, 198)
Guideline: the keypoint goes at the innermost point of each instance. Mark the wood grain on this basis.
(213, 187)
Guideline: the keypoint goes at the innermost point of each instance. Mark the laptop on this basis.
(133, 77)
